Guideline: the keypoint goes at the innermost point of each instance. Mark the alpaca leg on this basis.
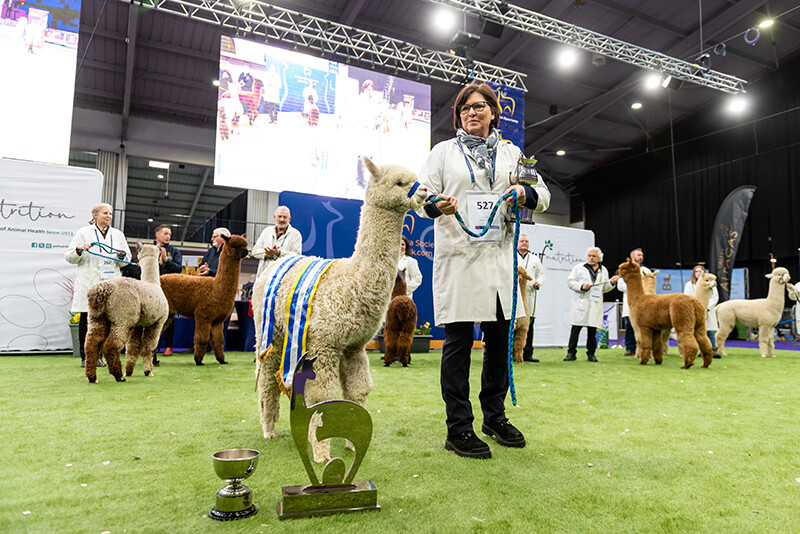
(766, 341)
(150, 337)
(646, 341)
(268, 390)
(132, 350)
(218, 340)
(325, 387)
(390, 343)
(658, 347)
(687, 346)
(202, 331)
(95, 337)
(725, 329)
(354, 372)
(404, 341)
(705, 344)
(665, 340)
(111, 348)
(520, 338)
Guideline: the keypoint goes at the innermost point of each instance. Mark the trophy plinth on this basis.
(234, 500)
(303, 501)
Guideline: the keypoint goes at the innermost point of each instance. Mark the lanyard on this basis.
(469, 165)
(110, 236)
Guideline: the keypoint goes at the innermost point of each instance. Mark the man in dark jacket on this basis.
(169, 261)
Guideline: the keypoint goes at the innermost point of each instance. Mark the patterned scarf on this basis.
(482, 149)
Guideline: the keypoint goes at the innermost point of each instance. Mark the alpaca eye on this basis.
(399, 184)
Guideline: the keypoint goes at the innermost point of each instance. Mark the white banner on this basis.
(563, 248)
(41, 207)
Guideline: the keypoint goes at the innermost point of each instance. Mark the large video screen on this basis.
(289, 121)
(38, 50)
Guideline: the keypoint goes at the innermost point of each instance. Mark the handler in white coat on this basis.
(794, 294)
(533, 266)
(277, 241)
(91, 268)
(409, 266)
(711, 314)
(589, 281)
(472, 277)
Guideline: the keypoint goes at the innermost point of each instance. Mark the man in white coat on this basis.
(589, 281)
(794, 294)
(533, 266)
(630, 340)
(277, 241)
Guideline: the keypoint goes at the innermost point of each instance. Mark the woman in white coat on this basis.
(589, 281)
(409, 266)
(91, 268)
(711, 315)
(472, 277)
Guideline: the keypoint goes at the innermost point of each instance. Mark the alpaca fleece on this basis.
(761, 313)
(207, 299)
(522, 324)
(398, 332)
(653, 313)
(125, 311)
(348, 304)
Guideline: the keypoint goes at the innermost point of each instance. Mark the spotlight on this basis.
(567, 57)
(766, 23)
(671, 83)
(494, 27)
(737, 104)
(149, 219)
(160, 177)
(598, 60)
(215, 83)
(466, 39)
(560, 152)
(444, 20)
(636, 105)
(652, 81)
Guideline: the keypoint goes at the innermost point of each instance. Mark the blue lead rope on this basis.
(109, 250)
(515, 211)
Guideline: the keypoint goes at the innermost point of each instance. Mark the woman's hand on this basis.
(85, 246)
(121, 254)
(447, 205)
(520, 195)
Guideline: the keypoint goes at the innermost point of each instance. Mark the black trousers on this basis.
(456, 352)
(169, 335)
(527, 351)
(630, 338)
(591, 340)
(83, 327)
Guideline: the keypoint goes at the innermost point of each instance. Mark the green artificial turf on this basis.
(612, 447)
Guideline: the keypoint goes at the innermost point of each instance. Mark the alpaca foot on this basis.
(148, 373)
(199, 362)
(119, 378)
(763, 355)
(405, 364)
(387, 364)
(128, 373)
(92, 379)
(269, 435)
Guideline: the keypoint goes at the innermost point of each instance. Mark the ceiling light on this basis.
(567, 57)
(159, 164)
(737, 104)
(652, 81)
(215, 83)
(671, 83)
(636, 105)
(560, 152)
(149, 219)
(160, 176)
(766, 23)
(444, 20)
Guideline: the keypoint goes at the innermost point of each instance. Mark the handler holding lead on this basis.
(472, 277)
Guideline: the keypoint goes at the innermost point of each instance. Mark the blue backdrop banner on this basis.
(512, 113)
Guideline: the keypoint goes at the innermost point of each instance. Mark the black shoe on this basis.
(629, 353)
(505, 433)
(717, 355)
(156, 363)
(83, 363)
(530, 359)
(591, 358)
(570, 358)
(100, 362)
(468, 445)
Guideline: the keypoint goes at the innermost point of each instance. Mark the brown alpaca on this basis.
(649, 286)
(401, 318)
(208, 300)
(522, 324)
(654, 313)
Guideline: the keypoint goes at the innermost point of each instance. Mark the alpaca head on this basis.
(649, 282)
(235, 246)
(779, 275)
(399, 284)
(147, 251)
(390, 188)
(523, 275)
(629, 269)
(710, 280)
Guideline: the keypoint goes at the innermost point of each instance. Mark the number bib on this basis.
(596, 293)
(479, 207)
(106, 269)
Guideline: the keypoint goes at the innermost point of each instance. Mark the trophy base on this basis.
(230, 516)
(305, 501)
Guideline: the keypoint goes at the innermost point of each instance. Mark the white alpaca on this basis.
(761, 313)
(348, 304)
(126, 312)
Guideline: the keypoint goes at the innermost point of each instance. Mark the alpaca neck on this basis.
(377, 248)
(635, 288)
(775, 294)
(227, 277)
(150, 270)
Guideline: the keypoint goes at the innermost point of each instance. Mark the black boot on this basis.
(570, 357)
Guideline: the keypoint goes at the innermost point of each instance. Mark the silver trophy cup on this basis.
(234, 500)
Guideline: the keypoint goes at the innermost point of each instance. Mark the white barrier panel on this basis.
(41, 207)
(563, 248)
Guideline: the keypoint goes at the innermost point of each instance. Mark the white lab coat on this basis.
(469, 276)
(290, 243)
(535, 269)
(794, 294)
(410, 266)
(711, 315)
(584, 311)
(623, 287)
(89, 264)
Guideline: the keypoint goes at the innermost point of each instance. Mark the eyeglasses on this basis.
(477, 106)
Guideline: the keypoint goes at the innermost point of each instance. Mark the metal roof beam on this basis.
(195, 200)
(130, 58)
(534, 23)
(322, 37)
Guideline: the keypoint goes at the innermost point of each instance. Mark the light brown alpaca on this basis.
(522, 324)
(649, 285)
(207, 299)
(401, 318)
(126, 312)
(654, 313)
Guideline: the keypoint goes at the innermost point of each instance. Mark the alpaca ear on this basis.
(226, 238)
(656, 272)
(371, 167)
(138, 245)
(768, 275)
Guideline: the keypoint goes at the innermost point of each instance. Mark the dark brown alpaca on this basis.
(401, 318)
(208, 300)
(653, 313)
